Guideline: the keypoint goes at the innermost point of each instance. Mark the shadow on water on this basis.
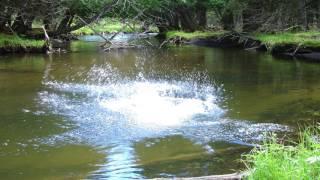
(188, 111)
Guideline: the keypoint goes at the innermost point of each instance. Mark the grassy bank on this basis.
(193, 35)
(13, 41)
(15, 44)
(306, 39)
(278, 161)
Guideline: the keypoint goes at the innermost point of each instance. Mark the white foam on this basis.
(107, 107)
(147, 104)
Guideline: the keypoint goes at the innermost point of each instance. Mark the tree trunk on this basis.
(238, 22)
(28, 22)
(174, 22)
(187, 22)
(162, 22)
(47, 24)
(2, 18)
(318, 13)
(227, 20)
(3, 23)
(64, 23)
(303, 16)
(7, 20)
(162, 29)
(18, 25)
(201, 15)
(252, 19)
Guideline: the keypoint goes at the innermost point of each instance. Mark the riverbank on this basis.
(194, 35)
(302, 45)
(277, 160)
(15, 44)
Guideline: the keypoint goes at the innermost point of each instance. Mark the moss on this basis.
(13, 41)
(193, 35)
(306, 39)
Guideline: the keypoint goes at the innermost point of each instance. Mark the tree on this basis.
(64, 16)
(58, 15)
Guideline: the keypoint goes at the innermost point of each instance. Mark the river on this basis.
(145, 113)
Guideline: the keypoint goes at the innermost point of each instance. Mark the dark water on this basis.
(146, 113)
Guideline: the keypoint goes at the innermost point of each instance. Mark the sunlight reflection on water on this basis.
(114, 112)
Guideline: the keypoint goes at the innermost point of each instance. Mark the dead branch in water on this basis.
(296, 50)
(47, 39)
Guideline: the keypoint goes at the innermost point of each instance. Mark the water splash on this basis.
(108, 108)
(129, 111)
(160, 105)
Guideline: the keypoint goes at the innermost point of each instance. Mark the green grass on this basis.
(193, 35)
(308, 39)
(278, 161)
(15, 41)
(111, 26)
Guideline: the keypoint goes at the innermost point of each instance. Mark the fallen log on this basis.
(235, 176)
(121, 45)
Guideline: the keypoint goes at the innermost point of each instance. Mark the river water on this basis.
(145, 113)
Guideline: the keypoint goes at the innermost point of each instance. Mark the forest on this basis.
(63, 16)
(143, 89)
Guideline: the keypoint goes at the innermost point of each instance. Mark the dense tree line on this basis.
(241, 15)
(58, 16)
(275, 15)
(64, 16)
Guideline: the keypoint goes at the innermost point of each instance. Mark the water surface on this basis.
(145, 113)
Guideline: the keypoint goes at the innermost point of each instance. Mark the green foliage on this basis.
(278, 161)
(15, 41)
(218, 3)
(310, 38)
(152, 4)
(108, 25)
(193, 35)
(104, 26)
(85, 7)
